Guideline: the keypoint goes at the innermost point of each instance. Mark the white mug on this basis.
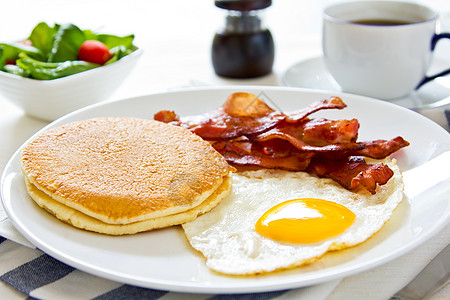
(384, 61)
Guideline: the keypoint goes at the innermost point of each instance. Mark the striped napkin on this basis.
(38, 275)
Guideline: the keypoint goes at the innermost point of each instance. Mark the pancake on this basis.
(80, 220)
(121, 171)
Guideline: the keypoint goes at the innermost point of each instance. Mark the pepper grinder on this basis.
(244, 48)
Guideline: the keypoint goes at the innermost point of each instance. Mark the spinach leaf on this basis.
(64, 69)
(117, 53)
(42, 37)
(47, 71)
(11, 52)
(112, 41)
(90, 35)
(68, 40)
(16, 70)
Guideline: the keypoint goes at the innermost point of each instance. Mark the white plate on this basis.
(312, 73)
(163, 259)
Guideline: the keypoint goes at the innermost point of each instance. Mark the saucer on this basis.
(312, 73)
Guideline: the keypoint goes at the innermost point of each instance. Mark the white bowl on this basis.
(51, 99)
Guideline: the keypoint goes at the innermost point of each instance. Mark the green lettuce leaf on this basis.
(112, 41)
(48, 71)
(42, 37)
(10, 52)
(67, 41)
(16, 70)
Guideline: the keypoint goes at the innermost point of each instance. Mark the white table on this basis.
(176, 37)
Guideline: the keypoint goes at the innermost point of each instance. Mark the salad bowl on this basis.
(51, 99)
(60, 68)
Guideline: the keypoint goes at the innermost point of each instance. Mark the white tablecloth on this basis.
(176, 37)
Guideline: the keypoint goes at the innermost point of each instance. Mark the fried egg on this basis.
(277, 220)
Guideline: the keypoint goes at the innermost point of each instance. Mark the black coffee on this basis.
(381, 22)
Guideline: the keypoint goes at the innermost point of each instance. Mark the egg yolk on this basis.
(304, 220)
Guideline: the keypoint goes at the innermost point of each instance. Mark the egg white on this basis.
(227, 238)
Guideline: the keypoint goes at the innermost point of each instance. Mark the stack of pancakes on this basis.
(124, 175)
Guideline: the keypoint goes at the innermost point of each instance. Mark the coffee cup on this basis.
(381, 49)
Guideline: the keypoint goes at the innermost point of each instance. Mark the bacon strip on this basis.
(275, 154)
(320, 132)
(242, 114)
(217, 125)
(166, 116)
(289, 163)
(330, 103)
(352, 172)
(312, 133)
(247, 132)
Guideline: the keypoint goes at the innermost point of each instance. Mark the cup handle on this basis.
(436, 38)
